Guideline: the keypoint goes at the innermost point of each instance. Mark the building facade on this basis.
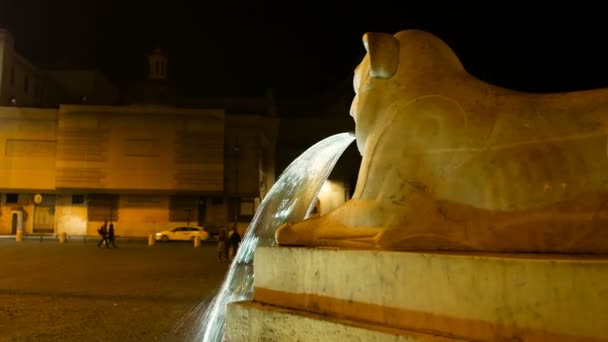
(23, 84)
(20, 82)
(153, 162)
(145, 168)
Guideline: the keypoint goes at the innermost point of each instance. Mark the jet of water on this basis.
(290, 199)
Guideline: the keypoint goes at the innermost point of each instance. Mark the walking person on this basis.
(111, 236)
(103, 231)
(222, 246)
(235, 240)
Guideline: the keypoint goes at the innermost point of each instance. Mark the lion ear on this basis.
(383, 51)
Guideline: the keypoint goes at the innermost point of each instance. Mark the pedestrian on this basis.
(222, 246)
(111, 236)
(103, 232)
(235, 240)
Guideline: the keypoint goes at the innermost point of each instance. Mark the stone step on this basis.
(468, 296)
(251, 321)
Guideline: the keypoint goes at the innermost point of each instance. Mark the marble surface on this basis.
(480, 297)
(251, 321)
(453, 163)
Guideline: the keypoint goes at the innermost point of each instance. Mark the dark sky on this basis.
(302, 48)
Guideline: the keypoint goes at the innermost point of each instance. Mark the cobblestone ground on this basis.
(78, 292)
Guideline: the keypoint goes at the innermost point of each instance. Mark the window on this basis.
(12, 198)
(77, 199)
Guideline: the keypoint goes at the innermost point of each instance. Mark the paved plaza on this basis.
(79, 292)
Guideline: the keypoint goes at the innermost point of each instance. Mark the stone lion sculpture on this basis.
(453, 163)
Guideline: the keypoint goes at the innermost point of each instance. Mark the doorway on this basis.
(16, 221)
(44, 215)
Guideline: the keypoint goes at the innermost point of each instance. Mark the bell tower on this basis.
(158, 65)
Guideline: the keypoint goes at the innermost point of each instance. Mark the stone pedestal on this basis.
(409, 296)
(252, 321)
(19, 236)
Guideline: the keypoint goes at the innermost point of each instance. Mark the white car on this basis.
(182, 234)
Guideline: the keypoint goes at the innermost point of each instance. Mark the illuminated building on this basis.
(145, 165)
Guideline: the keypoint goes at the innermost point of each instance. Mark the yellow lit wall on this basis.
(70, 218)
(27, 148)
(140, 148)
(142, 153)
(141, 215)
(137, 218)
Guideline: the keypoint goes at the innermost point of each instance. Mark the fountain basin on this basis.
(252, 321)
(465, 296)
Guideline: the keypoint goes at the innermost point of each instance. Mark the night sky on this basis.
(242, 48)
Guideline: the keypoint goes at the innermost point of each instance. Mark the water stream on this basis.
(290, 199)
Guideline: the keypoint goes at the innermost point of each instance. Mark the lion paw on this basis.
(326, 232)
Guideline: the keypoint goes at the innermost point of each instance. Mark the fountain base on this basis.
(252, 321)
(331, 292)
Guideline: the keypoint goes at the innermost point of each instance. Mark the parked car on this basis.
(182, 234)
